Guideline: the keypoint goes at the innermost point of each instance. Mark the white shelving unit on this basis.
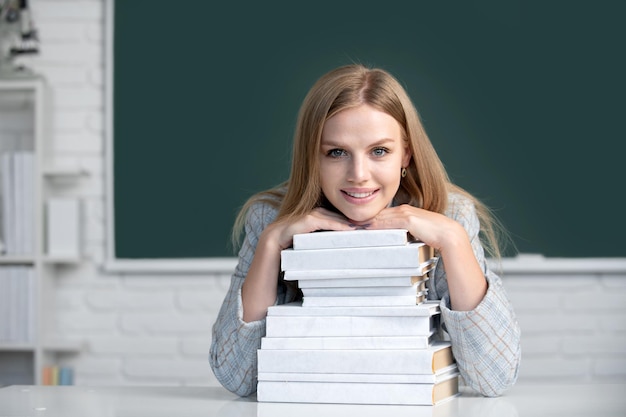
(22, 362)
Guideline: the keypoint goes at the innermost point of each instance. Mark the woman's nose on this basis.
(359, 170)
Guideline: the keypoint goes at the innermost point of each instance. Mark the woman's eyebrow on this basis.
(379, 142)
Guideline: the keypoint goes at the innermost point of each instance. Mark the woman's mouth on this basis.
(359, 196)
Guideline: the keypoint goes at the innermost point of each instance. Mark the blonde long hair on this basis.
(426, 184)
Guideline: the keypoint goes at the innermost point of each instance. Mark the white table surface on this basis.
(594, 400)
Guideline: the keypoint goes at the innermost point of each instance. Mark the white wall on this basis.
(156, 329)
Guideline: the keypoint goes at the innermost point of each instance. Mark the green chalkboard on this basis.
(524, 105)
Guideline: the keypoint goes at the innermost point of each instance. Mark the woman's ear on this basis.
(406, 158)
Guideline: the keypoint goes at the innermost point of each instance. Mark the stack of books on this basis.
(364, 332)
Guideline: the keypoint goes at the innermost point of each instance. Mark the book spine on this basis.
(29, 203)
(8, 203)
(294, 326)
(57, 375)
(383, 361)
(408, 256)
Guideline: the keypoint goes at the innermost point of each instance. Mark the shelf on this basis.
(64, 173)
(64, 346)
(17, 260)
(56, 259)
(16, 347)
(52, 179)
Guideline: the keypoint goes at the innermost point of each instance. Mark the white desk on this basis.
(594, 400)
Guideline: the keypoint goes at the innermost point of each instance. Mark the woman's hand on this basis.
(434, 229)
(466, 281)
(318, 219)
(259, 288)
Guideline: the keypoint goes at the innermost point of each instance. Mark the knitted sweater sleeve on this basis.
(233, 352)
(485, 340)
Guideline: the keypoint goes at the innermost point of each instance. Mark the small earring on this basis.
(403, 172)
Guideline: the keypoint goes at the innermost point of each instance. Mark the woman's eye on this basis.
(336, 153)
(379, 152)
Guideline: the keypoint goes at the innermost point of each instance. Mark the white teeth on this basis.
(359, 195)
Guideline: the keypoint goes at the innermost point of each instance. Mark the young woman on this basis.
(361, 159)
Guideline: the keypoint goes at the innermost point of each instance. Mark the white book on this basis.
(357, 392)
(362, 291)
(345, 361)
(349, 342)
(31, 320)
(29, 203)
(14, 302)
(365, 300)
(18, 203)
(405, 281)
(4, 303)
(8, 203)
(441, 375)
(302, 326)
(296, 308)
(408, 256)
(350, 239)
(360, 272)
(63, 227)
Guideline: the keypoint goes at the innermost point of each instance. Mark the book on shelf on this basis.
(412, 255)
(349, 342)
(351, 239)
(63, 227)
(17, 202)
(17, 304)
(358, 392)
(8, 208)
(375, 361)
(28, 203)
(57, 375)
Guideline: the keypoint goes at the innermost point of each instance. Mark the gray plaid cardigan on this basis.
(485, 341)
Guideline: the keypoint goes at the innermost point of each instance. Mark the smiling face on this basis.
(362, 154)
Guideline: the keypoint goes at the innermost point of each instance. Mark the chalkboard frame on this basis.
(157, 265)
(112, 263)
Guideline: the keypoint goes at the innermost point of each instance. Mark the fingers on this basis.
(317, 219)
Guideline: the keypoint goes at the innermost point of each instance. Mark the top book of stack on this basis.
(358, 249)
(351, 239)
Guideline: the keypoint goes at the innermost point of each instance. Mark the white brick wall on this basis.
(156, 329)
(573, 326)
